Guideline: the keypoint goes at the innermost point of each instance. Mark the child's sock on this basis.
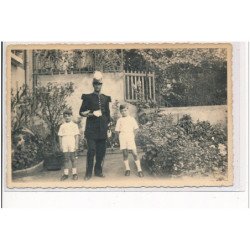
(74, 171)
(138, 165)
(126, 165)
(66, 171)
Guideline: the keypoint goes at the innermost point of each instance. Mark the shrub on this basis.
(35, 121)
(113, 141)
(21, 107)
(26, 141)
(82, 144)
(51, 102)
(27, 150)
(184, 149)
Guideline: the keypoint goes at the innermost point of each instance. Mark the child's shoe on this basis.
(127, 173)
(140, 174)
(75, 177)
(64, 177)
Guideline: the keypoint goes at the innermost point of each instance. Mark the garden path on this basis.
(113, 171)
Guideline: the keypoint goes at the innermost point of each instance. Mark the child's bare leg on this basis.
(125, 158)
(66, 163)
(134, 153)
(125, 154)
(136, 159)
(72, 159)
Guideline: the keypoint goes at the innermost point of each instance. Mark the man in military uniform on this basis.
(95, 107)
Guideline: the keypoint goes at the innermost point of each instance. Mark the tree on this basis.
(52, 101)
(21, 103)
(75, 60)
(164, 58)
(184, 76)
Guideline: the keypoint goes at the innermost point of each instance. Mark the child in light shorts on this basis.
(126, 127)
(69, 139)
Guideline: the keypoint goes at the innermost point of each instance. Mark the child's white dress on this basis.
(126, 126)
(68, 131)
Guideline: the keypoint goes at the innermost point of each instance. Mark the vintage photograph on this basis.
(119, 115)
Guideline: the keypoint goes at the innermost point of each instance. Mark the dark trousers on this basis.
(96, 147)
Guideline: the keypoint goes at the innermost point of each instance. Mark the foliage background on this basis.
(184, 77)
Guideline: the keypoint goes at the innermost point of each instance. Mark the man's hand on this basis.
(97, 113)
(86, 113)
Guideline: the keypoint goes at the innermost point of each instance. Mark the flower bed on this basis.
(28, 171)
(185, 149)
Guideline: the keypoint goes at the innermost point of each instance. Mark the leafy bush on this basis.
(112, 140)
(51, 102)
(35, 122)
(21, 107)
(27, 143)
(82, 144)
(184, 149)
(27, 150)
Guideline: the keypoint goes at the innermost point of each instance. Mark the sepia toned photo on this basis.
(119, 115)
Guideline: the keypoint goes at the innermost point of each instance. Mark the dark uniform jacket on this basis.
(96, 127)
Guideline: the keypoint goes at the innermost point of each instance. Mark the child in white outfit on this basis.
(69, 139)
(126, 127)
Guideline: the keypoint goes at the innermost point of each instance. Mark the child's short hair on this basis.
(67, 112)
(123, 106)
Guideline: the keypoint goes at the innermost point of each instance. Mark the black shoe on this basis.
(75, 177)
(87, 177)
(127, 173)
(140, 174)
(100, 175)
(64, 177)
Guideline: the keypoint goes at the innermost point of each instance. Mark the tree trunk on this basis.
(53, 140)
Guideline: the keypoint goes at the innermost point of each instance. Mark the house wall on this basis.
(21, 72)
(112, 85)
(213, 114)
(17, 76)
